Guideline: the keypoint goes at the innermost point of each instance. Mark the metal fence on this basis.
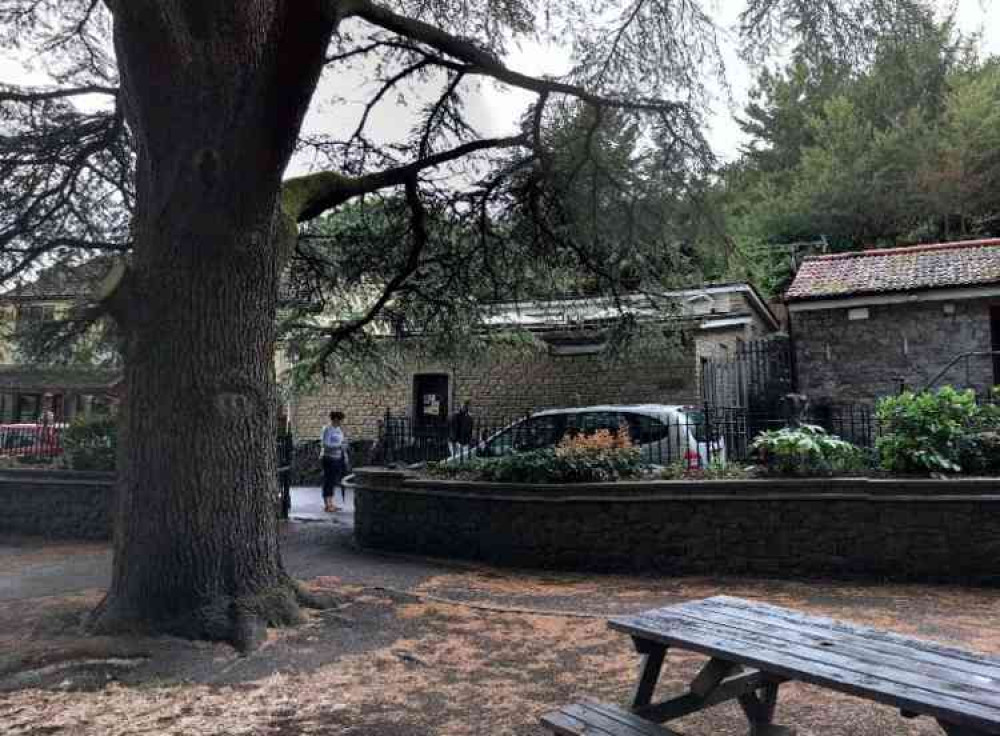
(31, 442)
(286, 452)
(696, 437)
(754, 376)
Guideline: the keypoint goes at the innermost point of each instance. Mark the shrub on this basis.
(716, 470)
(600, 457)
(91, 443)
(806, 450)
(933, 431)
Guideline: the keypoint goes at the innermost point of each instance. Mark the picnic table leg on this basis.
(759, 709)
(953, 730)
(653, 654)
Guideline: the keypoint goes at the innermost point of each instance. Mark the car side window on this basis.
(500, 445)
(594, 421)
(646, 429)
(538, 432)
(532, 434)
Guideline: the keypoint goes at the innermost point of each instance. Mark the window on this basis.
(645, 429)
(534, 433)
(29, 407)
(590, 422)
(34, 314)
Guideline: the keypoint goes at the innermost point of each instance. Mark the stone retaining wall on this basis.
(846, 528)
(56, 504)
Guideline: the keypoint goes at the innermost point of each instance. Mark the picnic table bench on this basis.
(754, 648)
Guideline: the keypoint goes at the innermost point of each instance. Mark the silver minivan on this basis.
(665, 433)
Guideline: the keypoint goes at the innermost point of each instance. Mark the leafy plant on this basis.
(91, 443)
(806, 450)
(716, 470)
(930, 431)
(600, 457)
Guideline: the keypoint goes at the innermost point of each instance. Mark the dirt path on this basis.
(421, 648)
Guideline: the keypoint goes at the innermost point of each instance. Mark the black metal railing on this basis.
(28, 442)
(286, 453)
(696, 437)
(965, 360)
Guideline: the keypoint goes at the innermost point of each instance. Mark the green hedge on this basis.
(941, 431)
(547, 466)
(91, 444)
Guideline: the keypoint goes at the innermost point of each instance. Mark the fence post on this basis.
(708, 431)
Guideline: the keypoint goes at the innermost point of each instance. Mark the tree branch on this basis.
(14, 95)
(306, 197)
(482, 62)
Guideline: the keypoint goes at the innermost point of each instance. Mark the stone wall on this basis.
(842, 360)
(56, 504)
(503, 385)
(845, 528)
(506, 385)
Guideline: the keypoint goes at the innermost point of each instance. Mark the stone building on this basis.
(572, 366)
(864, 324)
(27, 390)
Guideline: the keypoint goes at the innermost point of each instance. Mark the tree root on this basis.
(242, 621)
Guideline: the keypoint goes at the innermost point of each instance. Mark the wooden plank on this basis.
(609, 715)
(599, 719)
(950, 680)
(643, 726)
(562, 724)
(837, 655)
(958, 730)
(780, 660)
(852, 655)
(753, 709)
(880, 639)
(649, 673)
(714, 672)
(690, 703)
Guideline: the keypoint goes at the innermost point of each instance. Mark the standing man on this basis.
(460, 430)
(335, 459)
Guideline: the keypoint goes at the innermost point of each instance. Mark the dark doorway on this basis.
(29, 408)
(995, 329)
(430, 401)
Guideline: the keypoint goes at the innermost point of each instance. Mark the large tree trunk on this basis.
(214, 94)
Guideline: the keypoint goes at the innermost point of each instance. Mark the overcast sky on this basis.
(504, 107)
(496, 108)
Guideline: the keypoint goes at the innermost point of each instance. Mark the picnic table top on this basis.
(921, 677)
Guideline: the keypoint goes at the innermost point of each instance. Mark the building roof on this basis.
(57, 378)
(965, 264)
(63, 281)
(546, 314)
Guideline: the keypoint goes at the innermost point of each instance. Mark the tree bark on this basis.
(215, 94)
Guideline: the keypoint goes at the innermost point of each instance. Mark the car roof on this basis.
(635, 408)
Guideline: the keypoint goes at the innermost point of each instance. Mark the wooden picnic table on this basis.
(754, 648)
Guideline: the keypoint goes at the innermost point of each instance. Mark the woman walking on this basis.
(335, 459)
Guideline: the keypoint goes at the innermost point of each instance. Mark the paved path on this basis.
(307, 505)
(314, 544)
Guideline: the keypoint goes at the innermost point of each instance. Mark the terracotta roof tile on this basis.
(941, 265)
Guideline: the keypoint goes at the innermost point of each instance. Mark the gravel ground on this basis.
(418, 647)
